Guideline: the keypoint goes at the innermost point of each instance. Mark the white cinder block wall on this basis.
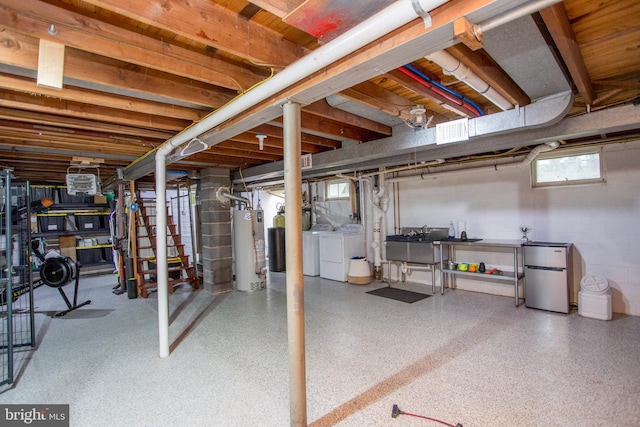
(601, 220)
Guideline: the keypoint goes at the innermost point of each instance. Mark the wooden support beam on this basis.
(274, 130)
(463, 30)
(44, 121)
(26, 102)
(313, 123)
(71, 93)
(322, 109)
(91, 35)
(22, 51)
(280, 8)
(277, 143)
(557, 22)
(214, 25)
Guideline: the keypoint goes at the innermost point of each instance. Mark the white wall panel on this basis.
(601, 220)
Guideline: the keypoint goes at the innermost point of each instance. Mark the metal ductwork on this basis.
(525, 162)
(407, 147)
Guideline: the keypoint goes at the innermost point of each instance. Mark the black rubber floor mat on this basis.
(399, 294)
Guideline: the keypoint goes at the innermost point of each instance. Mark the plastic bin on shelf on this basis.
(51, 222)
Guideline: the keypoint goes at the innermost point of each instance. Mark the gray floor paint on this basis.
(462, 357)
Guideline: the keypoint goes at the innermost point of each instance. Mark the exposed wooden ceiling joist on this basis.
(557, 21)
(90, 35)
(113, 76)
(212, 24)
(136, 73)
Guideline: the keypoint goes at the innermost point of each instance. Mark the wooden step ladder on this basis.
(180, 271)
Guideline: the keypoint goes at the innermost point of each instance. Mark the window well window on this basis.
(338, 189)
(577, 167)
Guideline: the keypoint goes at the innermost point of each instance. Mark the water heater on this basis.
(249, 250)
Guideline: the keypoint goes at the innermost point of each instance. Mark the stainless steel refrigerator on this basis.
(547, 274)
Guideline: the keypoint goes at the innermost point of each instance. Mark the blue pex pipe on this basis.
(420, 74)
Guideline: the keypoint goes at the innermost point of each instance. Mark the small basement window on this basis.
(577, 167)
(338, 189)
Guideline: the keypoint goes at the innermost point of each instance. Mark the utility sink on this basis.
(416, 247)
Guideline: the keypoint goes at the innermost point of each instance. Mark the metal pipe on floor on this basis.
(294, 275)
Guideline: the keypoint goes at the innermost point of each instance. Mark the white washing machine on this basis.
(337, 248)
(311, 248)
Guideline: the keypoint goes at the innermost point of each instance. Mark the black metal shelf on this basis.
(99, 231)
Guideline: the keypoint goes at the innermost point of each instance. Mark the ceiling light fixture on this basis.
(52, 30)
(418, 117)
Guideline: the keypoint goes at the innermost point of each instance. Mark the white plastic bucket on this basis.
(594, 298)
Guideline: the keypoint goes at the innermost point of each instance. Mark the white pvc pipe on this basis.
(392, 17)
(452, 66)
(523, 163)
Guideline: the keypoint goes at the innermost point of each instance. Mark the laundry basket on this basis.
(594, 298)
(359, 272)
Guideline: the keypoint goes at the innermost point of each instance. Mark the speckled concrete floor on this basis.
(463, 358)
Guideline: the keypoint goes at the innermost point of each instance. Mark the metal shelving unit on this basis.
(17, 319)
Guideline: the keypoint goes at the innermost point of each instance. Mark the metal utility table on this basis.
(508, 276)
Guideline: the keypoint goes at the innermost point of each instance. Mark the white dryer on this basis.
(311, 248)
(337, 248)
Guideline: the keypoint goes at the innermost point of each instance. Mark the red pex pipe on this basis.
(439, 92)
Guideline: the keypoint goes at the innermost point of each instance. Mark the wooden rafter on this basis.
(98, 98)
(211, 24)
(27, 102)
(81, 32)
(557, 22)
(22, 51)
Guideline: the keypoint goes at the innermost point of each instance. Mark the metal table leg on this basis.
(515, 272)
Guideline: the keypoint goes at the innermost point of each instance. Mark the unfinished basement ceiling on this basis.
(138, 73)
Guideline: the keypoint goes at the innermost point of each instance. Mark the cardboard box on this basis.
(68, 252)
(68, 242)
(100, 200)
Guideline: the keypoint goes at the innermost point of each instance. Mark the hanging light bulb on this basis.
(418, 117)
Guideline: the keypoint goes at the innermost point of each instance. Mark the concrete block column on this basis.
(216, 232)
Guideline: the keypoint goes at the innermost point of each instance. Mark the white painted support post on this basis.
(162, 272)
(294, 277)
